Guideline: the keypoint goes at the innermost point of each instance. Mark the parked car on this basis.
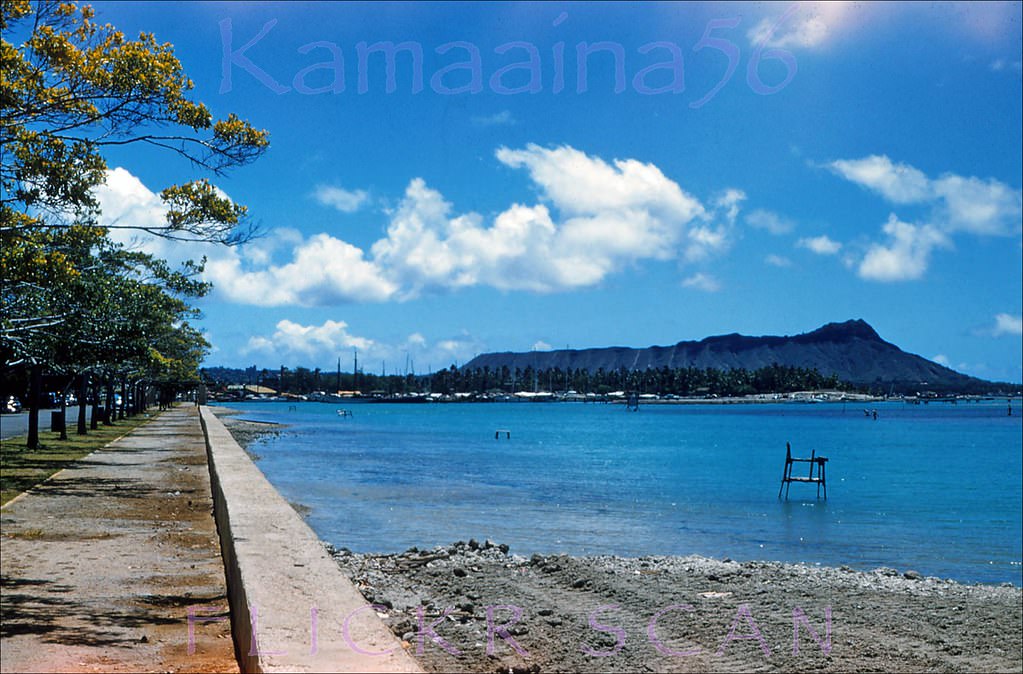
(11, 405)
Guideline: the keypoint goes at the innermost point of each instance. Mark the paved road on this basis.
(102, 562)
(13, 425)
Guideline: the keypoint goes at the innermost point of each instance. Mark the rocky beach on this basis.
(478, 607)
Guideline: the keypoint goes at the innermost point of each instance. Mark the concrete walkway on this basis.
(102, 564)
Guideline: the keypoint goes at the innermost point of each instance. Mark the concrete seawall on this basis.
(292, 609)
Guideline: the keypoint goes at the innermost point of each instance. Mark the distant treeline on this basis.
(662, 381)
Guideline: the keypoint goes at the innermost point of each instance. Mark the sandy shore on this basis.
(472, 607)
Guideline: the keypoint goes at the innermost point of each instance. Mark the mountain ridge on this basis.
(851, 350)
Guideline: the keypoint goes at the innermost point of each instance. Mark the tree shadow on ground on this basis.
(36, 607)
(103, 487)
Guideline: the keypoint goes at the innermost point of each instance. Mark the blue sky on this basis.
(858, 161)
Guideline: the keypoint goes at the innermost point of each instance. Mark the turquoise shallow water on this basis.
(936, 488)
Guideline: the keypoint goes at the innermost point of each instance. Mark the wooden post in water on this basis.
(817, 474)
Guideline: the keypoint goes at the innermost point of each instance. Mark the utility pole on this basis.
(355, 371)
(339, 374)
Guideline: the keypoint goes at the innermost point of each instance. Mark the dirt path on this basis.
(681, 614)
(102, 563)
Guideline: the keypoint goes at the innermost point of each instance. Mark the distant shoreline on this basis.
(799, 397)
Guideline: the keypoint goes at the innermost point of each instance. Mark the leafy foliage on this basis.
(664, 381)
(73, 300)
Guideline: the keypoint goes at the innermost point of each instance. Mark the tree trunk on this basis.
(94, 396)
(110, 411)
(123, 412)
(82, 402)
(34, 392)
(63, 415)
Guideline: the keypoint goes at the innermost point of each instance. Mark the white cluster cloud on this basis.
(816, 25)
(307, 343)
(983, 207)
(124, 201)
(704, 282)
(1008, 324)
(770, 222)
(715, 235)
(956, 205)
(294, 342)
(324, 270)
(822, 245)
(906, 253)
(593, 219)
(128, 208)
(959, 204)
(898, 183)
(346, 201)
(777, 260)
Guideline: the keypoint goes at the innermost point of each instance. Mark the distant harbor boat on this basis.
(339, 397)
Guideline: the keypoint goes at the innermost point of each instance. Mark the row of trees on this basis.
(75, 302)
(663, 381)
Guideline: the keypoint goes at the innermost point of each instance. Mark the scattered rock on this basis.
(558, 594)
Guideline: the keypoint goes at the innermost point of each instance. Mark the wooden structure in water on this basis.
(817, 473)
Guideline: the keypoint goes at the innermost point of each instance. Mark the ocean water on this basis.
(935, 488)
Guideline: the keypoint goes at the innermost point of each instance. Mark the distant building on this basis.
(254, 389)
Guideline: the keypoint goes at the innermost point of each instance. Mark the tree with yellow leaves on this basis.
(70, 89)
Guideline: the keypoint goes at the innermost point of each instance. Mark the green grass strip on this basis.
(22, 468)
